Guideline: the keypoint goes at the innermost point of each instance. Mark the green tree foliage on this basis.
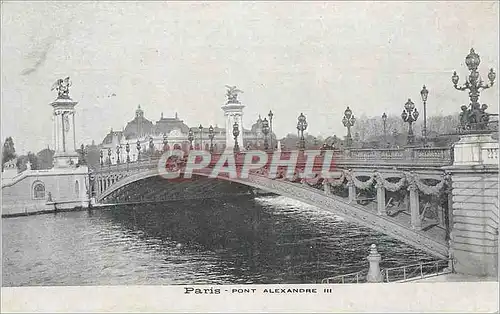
(9, 152)
(92, 157)
(45, 158)
(23, 160)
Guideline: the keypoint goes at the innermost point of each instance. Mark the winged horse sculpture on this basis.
(232, 94)
(62, 87)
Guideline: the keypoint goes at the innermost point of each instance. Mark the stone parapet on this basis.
(474, 235)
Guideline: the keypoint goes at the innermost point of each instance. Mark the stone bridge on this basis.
(403, 193)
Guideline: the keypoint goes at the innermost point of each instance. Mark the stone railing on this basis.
(369, 157)
(404, 156)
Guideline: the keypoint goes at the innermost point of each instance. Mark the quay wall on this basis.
(38, 191)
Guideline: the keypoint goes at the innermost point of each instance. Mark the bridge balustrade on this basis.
(435, 156)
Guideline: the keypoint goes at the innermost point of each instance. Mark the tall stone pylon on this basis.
(474, 232)
(63, 117)
(233, 113)
(474, 176)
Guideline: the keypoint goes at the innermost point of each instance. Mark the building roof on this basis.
(166, 125)
(108, 139)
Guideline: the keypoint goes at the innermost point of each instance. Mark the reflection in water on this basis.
(232, 240)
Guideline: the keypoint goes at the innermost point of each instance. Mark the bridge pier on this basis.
(381, 210)
(474, 233)
(416, 221)
(352, 191)
(326, 188)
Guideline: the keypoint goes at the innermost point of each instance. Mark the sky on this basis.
(288, 57)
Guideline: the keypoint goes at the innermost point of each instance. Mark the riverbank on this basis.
(106, 206)
(42, 212)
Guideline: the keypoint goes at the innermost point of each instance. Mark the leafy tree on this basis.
(92, 156)
(9, 152)
(23, 160)
(45, 158)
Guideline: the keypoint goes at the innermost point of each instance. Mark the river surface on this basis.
(238, 240)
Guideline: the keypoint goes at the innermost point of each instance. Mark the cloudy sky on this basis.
(291, 57)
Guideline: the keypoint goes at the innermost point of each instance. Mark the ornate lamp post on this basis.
(410, 115)
(384, 120)
(127, 149)
(82, 159)
(236, 132)
(301, 127)
(201, 137)
(190, 138)
(109, 156)
(211, 136)
(151, 147)
(271, 115)
(424, 93)
(118, 147)
(473, 117)
(265, 130)
(348, 122)
(138, 150)
(165, 142)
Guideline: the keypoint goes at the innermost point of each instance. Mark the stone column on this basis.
(352, 191)
(381, 210)
(326, 188)
(474, 231)
(416, 222)
(374, 258)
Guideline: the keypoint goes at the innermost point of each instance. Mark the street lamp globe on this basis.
(404, 115)
(236, 130)
(384, 116)
(491, 76)
(409, 105)
(265, 126)
(190, 135)
(348, 112)
(472, 60)
(424, 93)
(455, 78)
(211, 130)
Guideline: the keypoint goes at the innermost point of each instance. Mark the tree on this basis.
(45, 158)
(23, 160)
(92, 156)
(9, 152)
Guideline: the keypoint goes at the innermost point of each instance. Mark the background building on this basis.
(171, 133)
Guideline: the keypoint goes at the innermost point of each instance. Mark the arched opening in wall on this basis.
(77, 188)
(38, 190)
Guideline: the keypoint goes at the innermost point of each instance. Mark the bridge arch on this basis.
(318, 198)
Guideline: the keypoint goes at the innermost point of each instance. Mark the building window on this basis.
(77, 188)
(38, 190)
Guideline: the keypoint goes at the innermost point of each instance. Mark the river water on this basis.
(237, 240)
